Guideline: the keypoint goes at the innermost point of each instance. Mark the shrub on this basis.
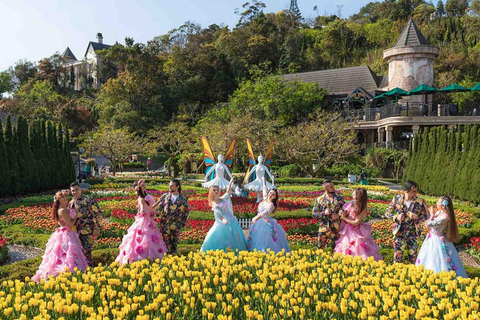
(289, 171)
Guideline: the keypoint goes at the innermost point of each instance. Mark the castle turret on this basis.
(410, 61)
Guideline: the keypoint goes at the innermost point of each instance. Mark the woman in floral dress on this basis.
(437, 252)
(265, 232)
(143, 239)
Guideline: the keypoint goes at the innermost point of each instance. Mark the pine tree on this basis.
(423, 160)
(473, 165)
(5, 181)
(25, 156)
(462, 178)
(44, 155)
(34, 135)
(12, 152)
(53, 155)
(440, 162)
(440, 8)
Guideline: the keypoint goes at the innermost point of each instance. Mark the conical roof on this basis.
(68, 54)
(411, 36)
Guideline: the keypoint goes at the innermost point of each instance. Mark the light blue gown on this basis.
(437, 253)
(222, 236)
(266, 233)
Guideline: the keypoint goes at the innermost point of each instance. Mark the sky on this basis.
(35, 29)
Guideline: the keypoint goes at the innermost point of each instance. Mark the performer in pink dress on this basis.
(143, 239)
(64, 249)
(356, 236)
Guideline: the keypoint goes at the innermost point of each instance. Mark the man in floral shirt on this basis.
(173, 211)
(327, 209)
(407, 212)
(88, 214)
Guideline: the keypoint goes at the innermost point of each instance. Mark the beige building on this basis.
(390, 123)
(85, 71)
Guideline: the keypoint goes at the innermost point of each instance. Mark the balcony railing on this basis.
(407, 110)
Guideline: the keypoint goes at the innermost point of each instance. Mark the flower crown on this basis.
(62, 192)
(139, 184)
(445, 202)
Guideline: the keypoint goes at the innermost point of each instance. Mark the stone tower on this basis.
(410, 61)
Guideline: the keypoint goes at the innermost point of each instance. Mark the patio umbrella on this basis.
(453, 88)
(396, 92)
(475, 87)
(422, 89)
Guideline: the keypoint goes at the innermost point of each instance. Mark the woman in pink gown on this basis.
(143, 239)
(64, 249)
(356, 236)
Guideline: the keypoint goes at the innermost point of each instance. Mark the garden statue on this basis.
(215, 173)
(259, 171)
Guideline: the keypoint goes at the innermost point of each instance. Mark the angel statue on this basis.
(259, 171)
(215, 173)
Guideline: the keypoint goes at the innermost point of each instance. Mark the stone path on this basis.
(390, 185)
(20, 253)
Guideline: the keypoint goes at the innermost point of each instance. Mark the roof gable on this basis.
(96, 46)
(340, 81)
(68, 54)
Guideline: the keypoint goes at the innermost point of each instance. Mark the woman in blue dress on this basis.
(265, 232)
(225, 232)
(437, 252)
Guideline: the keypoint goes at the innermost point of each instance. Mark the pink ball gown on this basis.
(143, 239)
(63, 250)
(356, 240)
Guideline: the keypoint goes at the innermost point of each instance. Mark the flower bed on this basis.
(3, 250)
(302, 285)
(473, 248)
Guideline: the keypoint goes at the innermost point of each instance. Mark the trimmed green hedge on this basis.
(20, 270)
(16, 234)
(473, 272)
(444, 161)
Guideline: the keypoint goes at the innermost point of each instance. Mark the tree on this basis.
(12, 152)
(272, 98)
(251, 11)
(53, 70)
(22, 72)
(114, 144)
(456, 8)
(423, 12)
(6, 84)
(5, 181)
(170, 141)
(314, 145)
(440, 8)
(27, 172)
(466, 100)
(36, 99)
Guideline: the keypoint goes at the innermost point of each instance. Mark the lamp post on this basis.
(80, 151)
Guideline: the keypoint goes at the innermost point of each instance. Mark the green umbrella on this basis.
(422, 89)
(453, 88)
(396, 92)
(379, 96)
(475, 87)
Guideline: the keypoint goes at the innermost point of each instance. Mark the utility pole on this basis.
(295, 10)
